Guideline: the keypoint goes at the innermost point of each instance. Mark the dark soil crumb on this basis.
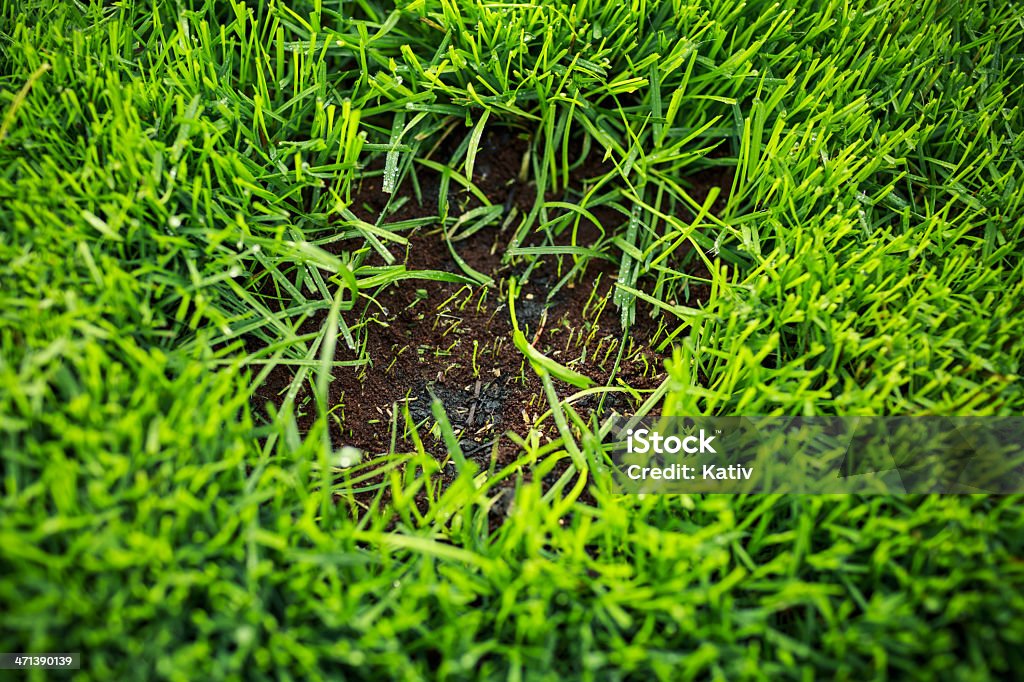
(427, 339)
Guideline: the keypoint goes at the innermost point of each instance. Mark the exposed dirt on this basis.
(426, 339)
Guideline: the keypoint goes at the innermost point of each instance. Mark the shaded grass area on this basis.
(179, 195)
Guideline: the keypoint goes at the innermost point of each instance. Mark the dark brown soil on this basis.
(425, 339)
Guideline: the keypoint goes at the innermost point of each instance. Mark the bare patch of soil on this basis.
(427, 339)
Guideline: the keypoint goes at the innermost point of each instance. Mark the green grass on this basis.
(171, 172)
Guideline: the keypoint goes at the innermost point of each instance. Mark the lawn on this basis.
(313, 316)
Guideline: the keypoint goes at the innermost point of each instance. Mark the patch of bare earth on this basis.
(424, 339)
